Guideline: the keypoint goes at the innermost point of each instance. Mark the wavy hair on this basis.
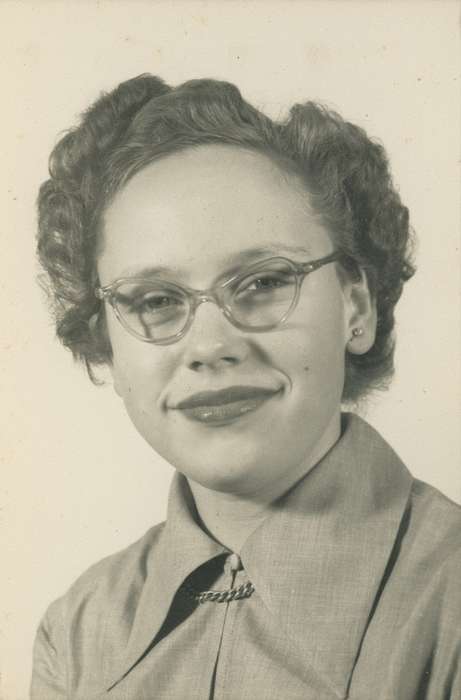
(346, 174)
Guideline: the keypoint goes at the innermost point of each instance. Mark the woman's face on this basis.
(200, 214)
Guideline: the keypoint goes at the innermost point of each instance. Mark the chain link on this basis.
(243, 591)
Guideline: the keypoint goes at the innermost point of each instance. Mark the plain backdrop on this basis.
(77, 481)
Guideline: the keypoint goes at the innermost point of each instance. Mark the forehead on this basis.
(204, 207)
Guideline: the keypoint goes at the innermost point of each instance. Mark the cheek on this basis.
(139, 379)
(314, 357)
(139, 371)
(315, 361)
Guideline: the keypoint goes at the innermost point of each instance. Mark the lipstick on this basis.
(224, 405)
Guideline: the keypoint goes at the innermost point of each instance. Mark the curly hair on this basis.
(347, 179)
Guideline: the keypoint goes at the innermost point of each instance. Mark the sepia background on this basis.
(77, 482)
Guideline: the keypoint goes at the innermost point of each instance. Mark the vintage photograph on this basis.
(232, 367)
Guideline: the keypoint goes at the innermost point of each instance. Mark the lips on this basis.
(224, 405)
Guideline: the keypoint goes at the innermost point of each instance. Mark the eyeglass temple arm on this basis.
(308, 267)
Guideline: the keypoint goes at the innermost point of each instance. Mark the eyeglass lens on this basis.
(263, 297)
(156, 310)
(152, 310)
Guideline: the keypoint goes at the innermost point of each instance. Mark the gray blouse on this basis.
(350, 588)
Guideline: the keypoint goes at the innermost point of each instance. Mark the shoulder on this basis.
(435, 518)
(427, 548)
(430, 548)
(76, 628)
(432, 519)
(109, 582)
(106, 572)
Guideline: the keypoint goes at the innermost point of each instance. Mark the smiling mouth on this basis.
(224, 406)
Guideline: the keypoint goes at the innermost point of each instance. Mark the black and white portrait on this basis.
(231, 380)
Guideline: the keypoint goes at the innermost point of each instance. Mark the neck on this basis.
(230, 518)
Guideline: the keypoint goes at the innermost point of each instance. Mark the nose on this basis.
(212, 341)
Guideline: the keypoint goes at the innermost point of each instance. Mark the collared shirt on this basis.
(357, 594)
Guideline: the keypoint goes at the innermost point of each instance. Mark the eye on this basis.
(148, 302)
(267, 281)
(154, 302)
(157, 302)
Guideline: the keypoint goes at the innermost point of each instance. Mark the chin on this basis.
(225, 477)
(224, 480)
(230, 462)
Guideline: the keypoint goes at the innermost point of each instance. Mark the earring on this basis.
(356, 333)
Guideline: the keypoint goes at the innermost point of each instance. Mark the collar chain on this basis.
(243, 591)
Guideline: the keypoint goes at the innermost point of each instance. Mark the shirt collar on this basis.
(183, 547)
(317, 560)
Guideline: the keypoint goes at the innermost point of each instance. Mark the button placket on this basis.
(224, 660)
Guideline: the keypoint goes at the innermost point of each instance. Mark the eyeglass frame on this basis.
(197, 296)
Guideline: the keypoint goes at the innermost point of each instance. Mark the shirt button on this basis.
(235, 563)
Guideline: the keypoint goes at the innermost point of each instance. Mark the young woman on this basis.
(239, 277)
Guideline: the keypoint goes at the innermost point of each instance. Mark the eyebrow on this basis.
(231, 265)
(269, 249)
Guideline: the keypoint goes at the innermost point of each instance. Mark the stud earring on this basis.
(356, 333)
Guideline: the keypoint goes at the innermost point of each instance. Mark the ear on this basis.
(360, 315)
